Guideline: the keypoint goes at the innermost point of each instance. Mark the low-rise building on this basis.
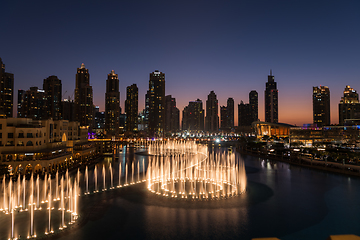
(39, 145)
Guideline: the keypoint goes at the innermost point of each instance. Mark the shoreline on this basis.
(333, 167)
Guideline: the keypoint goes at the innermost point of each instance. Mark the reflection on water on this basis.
(281, 201)
(171, 223)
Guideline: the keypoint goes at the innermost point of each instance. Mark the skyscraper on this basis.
(212, 117)
(156, 96)
(20, 104)
(248, 112)
(84, 108)
(223, 118)
(53, 90)
(244, 114)
(271, 100)
(131, 108)
(253, 101)
(227, 115)
(32, 104)
(172, 115)
(230, 111)
(349, 106)
(68, 110)
(193, 116)
(6, 91)
(321, 106)
(112, 105)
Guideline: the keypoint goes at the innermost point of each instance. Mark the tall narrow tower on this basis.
(112, 105)
(53, 88)
(156, 96)
(253, 101)
(349, 106)
(172, 115)
(6, 91)
(84, 108)
(271, 100)
(212, 116)
(321, 106)
(131, 108)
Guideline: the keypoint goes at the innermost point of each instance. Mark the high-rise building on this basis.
(349, 106)
(32, 104)
(112, 105)
(227, 115)
(172, 115)
(84, 108)
(212, 116)
(68, 110)
(99, 118)
(145, 122)
(230, 111)
(131, 108)
(321, 106)
(253, 101)
(248, 112)
(193, 116)
(244, 114)
(6, 91)
(53, 90)
(271, 100)
(223, 118)
(156, 96)
(20, 109)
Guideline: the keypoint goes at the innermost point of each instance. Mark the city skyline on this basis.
(225, 47)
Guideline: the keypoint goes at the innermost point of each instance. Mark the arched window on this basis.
(29, 143)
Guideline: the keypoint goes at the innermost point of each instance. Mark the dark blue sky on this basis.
(225, 46)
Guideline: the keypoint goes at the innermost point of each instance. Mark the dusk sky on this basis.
(225, 46)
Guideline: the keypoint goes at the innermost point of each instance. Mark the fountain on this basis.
(111, 177)
(95, 180)
(86, 180)
(176, 169)
(57, 186)
(119, 175)
(104, 178)
(188, 172)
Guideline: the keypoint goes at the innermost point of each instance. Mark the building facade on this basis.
(212, 116)
(31, 145)
(84, 108)
(32, 104)
(112, 105)
(156, 98)
(131, 108)
(271, 100)
(321, 106)
(349, 106)
(6, 91)
(193, 116)
(227, 115)
(244, 114)
(53, 91)
(248, 112)
(254, 105)
(172, 115)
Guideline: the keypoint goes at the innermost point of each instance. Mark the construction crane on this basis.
(69, 97)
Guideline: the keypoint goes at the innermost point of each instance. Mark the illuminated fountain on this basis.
(15, 197)
(174, 169)
(187, 170)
